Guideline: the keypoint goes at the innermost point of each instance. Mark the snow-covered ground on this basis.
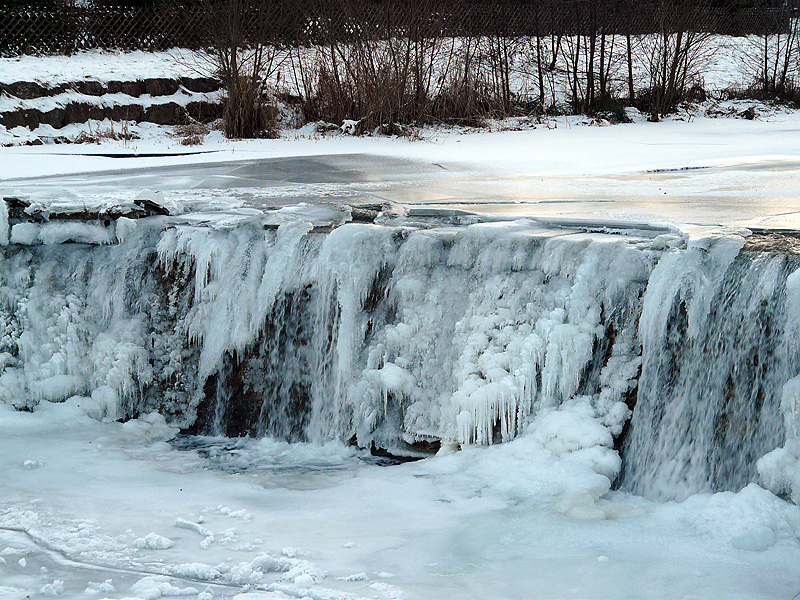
(103, 66)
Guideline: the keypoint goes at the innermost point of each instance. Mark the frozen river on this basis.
(760, 193)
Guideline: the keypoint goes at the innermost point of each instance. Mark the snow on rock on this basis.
(170, 205)
(53, 589)
(154, 587)
(124, 228)
(153, 541)
(151, 426)
(26, 234)
(79, 232)
(60, 232)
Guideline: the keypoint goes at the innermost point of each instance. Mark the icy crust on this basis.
(494, 322)
(82, 320)
(456, 334)
(30, 234)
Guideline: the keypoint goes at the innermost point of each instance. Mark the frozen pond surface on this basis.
(485, 523)
(706, 171)
(751, 193)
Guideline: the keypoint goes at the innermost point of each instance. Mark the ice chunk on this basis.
(53, 589)
(76, 231)
(154, 587)
(151, 426)
(124, 228)
(26, 234)
(305, 581)
(153, 541)
(4, 229)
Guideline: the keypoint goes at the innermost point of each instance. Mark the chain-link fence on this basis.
(69, 29)
(184, 24)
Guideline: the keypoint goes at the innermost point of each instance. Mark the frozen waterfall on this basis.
(408, 333)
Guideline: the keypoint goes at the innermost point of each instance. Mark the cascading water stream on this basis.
(716, 354)
(415, 332)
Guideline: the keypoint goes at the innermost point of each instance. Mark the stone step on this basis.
(155, 86)
(159, 100)
(161, 113)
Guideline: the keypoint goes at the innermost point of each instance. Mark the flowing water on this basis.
(412, 333)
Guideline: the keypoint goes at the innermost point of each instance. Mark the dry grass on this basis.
(192, 140)
(97, 135)
(192, 128)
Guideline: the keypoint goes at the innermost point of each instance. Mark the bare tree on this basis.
(675, 56)
(247, 38)
(393, 63)
(770, 58)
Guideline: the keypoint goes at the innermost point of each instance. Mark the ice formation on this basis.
(718, 346)
(418, 331)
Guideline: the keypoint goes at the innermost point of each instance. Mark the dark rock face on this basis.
(56, 118)
(163, 114)
(89, 88)
(131, 88)
(26, 90)
(271, 380)
(166, 113)
(160, 86)
(201, 85)
(10, 120)
(125, 112)
(77, 113)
